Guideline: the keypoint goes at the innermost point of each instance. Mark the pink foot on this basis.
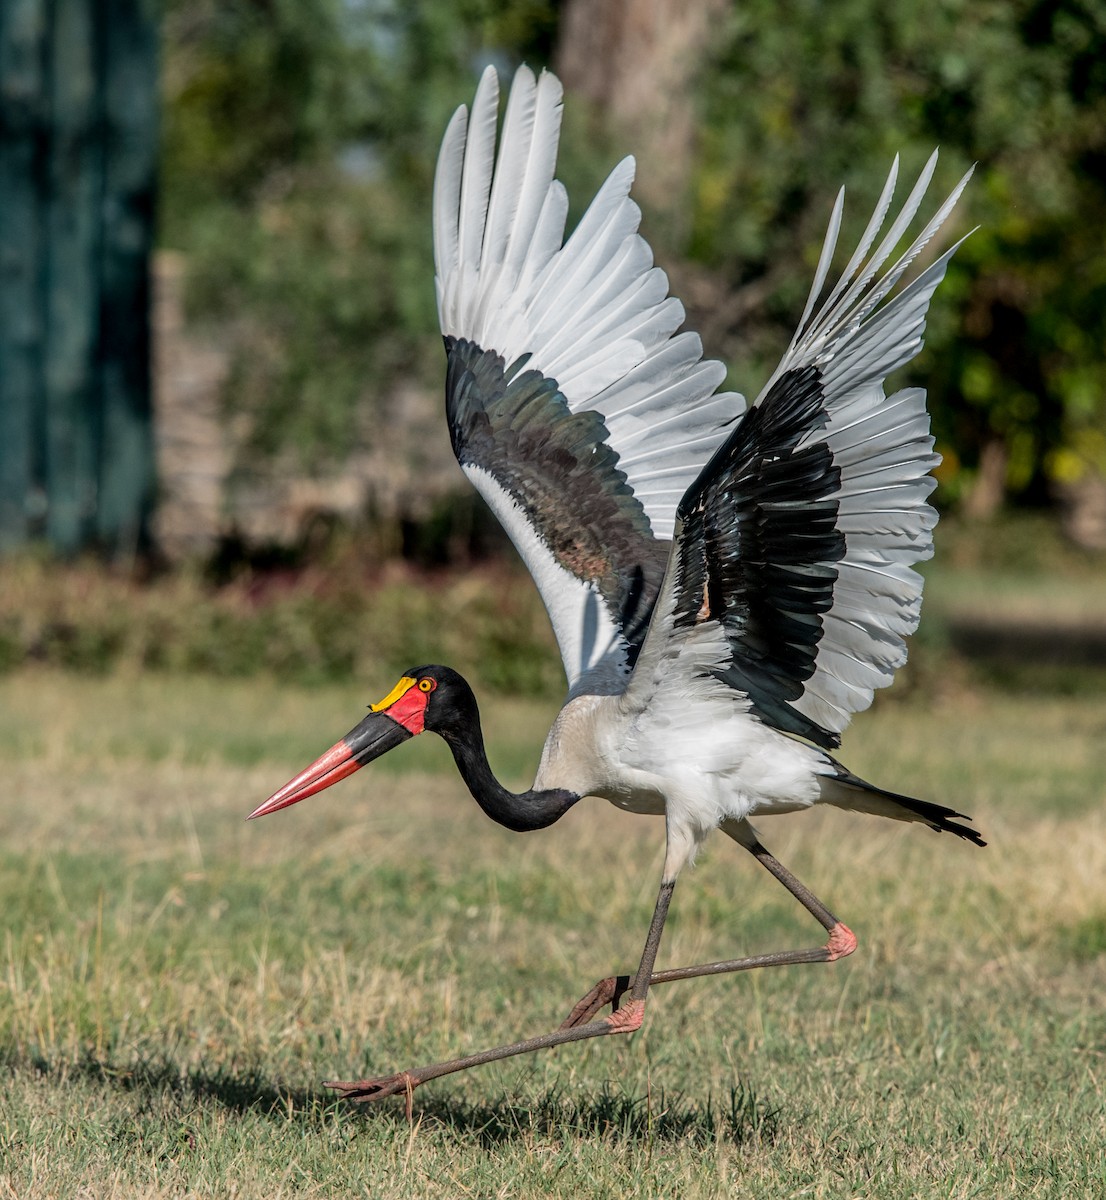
(841, 941)
(628, 1018)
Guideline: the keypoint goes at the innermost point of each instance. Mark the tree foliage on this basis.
(1015, 348)
(302, 135)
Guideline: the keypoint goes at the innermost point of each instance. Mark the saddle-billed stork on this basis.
(727, 583)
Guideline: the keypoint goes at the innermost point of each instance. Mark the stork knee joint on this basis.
(842, 941)
(628, 1018)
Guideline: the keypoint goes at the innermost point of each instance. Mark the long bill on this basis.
(376, 735)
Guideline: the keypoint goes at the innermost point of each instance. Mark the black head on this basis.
(449, 706)
(429, 697)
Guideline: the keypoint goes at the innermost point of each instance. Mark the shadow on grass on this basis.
(241, 1089)
(1032, 655)
(609, 1114)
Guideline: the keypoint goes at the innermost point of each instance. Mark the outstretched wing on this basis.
(791, 574)
(574, 407)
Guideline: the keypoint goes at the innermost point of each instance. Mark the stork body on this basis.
(728, 584)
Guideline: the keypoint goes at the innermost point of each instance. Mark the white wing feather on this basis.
(592, 313)
(884, 450)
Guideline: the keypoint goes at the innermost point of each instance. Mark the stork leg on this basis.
(841, 941)
(582, 1024)
(625, 1019)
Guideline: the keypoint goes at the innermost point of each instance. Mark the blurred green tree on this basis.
(300, 144)
(793, 107)
(299, 152)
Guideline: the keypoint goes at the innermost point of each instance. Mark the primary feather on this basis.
(800, 535)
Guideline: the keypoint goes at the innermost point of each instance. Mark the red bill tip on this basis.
(335, 764)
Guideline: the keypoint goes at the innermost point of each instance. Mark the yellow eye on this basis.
(427, 685)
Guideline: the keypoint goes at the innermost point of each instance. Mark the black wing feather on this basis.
(757, 549)
(516, 425)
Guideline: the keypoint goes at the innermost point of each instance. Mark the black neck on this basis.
(521, 812)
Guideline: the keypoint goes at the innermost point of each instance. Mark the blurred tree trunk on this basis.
(78, 149)
(1084, 510)
(636, 61)
(988, 491)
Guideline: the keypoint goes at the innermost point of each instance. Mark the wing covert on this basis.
(597, 553)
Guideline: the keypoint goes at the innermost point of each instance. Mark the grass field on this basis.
(175, 983)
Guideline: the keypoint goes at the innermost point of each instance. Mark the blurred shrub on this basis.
(306, 626)
(990, 592)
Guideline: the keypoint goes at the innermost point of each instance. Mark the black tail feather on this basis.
(861, 796)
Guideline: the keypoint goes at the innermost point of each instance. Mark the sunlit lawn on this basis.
(175, 983)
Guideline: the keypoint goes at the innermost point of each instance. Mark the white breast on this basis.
(700, 759)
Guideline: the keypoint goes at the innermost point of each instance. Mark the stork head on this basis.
(434, 698)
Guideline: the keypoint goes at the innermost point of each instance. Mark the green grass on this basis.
(174, 983)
